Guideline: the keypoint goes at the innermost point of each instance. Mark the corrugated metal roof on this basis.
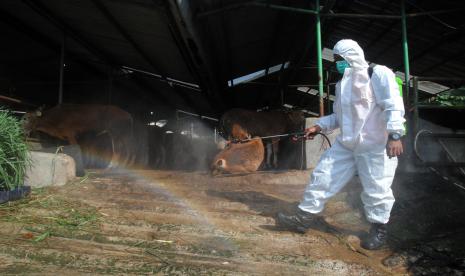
(169, 38)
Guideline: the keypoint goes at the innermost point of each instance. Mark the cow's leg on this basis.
(275, 146)
(114, 155)
(162, 154)
(269, 151)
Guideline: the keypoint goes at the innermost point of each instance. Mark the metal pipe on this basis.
(415, 106)
(9, 99)
(312, 12)
(319, 57)
(389, 16)
(194, 115)
(359, 15)
(223, 9)
(62, 70)
(434, 12)
(189, 85)
(406, 56)
(328, 96)
(277, 84)
(285, 8)
(440, 79)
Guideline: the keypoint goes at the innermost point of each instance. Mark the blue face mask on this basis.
(341, 66)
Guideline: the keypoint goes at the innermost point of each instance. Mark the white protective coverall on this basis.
(365, 110)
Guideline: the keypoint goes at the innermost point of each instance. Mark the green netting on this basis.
(452, 97)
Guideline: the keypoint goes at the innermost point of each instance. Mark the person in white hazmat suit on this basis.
(369, 112)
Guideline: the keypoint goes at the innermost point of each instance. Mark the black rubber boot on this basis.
(299, 222)
(376, 238)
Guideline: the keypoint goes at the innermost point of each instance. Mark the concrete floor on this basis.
(181, 223)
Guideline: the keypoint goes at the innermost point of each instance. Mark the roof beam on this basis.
(227, 44)
(394, 42)
(446, 38)
(43, 11)
(276, 30)
(310, 42)
(447, 59)
(17, 24)
(386, 30)
(114, 22)
(382, 8)
(55, 47)
(185, 35)
(328, 28)
(261, 3)
(35, 35)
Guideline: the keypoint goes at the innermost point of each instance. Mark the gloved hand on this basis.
(394, 148)
(312, 131)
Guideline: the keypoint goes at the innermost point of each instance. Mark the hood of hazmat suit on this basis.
(365, 109)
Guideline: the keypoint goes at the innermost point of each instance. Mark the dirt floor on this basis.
(180, 223)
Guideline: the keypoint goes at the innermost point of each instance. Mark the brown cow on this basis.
(241, 124)
(239, 157)
(68, 121)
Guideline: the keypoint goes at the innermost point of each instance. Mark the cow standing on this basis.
(242, 124)
(68, 121)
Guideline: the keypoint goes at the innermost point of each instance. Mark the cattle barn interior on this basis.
(176, 66)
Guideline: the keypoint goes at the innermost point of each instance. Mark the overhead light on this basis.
(151, 124)
(169, 132)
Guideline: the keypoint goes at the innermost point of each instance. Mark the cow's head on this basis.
(30, 120)
(218, 167)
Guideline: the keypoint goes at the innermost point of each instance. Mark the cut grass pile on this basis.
(46, 214)
(13, 152)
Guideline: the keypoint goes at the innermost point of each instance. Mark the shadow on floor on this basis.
(269, 206)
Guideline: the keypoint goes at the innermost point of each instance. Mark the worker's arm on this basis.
(324, 124)
(388, 98)
(328, 123)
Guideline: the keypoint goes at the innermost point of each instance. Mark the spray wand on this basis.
(295, 137)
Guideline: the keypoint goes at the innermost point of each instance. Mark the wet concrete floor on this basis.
(189, 223)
